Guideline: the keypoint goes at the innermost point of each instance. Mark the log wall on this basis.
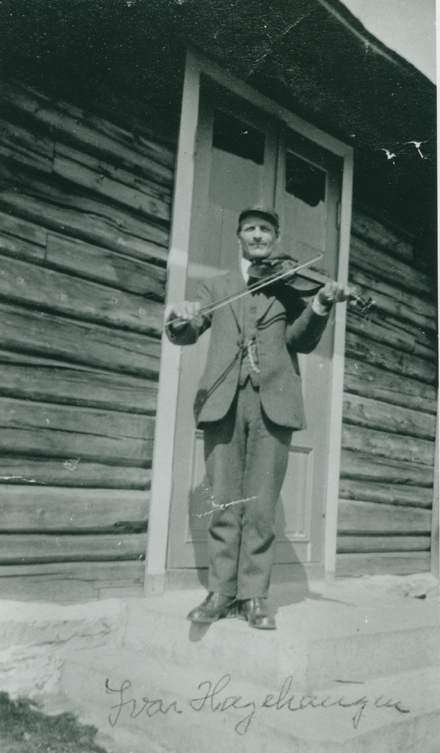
(389, 414)
(84, 227)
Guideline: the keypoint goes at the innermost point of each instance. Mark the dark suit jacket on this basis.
(285, 327)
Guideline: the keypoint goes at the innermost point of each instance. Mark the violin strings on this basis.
(257, 285)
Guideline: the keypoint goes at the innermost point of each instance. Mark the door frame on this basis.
(161, 485)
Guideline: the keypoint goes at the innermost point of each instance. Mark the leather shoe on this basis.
(213, 608)
(256, 613)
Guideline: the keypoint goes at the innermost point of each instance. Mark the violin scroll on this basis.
(363, 306)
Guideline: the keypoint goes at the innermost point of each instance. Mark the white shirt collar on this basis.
(245, 264)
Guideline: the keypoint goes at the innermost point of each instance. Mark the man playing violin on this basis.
(248, 403)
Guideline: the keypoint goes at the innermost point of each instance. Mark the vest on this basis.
(249, 360)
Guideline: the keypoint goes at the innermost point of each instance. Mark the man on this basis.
(249, 402)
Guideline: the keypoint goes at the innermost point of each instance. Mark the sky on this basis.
(405, 26)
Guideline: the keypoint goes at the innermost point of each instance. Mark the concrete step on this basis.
(333, 633)
(146, 705)
(34, 635)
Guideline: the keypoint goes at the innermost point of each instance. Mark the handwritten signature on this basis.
(212, 696)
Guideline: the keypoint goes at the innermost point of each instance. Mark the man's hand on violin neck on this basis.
(180, 314)
(333, 292)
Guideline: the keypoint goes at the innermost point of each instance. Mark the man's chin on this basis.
(260, 253)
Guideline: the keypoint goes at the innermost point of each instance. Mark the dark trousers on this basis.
(246, 459)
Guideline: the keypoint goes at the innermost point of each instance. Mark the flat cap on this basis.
(267, 213)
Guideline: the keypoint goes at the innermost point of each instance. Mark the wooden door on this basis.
(243, 158)
(308, 199)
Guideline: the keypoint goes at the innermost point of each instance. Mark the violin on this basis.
(283, 269)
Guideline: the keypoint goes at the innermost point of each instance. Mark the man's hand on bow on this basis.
(178, 315)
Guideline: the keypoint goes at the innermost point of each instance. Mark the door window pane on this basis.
(236, 181)
(305, 212)
(237, 166)
(304, 180)
(236, 137)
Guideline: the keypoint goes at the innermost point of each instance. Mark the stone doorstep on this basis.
(341, 608)
(155, 685)
(322, 639)
(24, 624)
(33, 636)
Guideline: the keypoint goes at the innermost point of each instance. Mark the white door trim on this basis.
(161, 482)
(337, 388)
(161, 489)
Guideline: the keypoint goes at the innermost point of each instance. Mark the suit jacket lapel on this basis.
(234, 283)
(264, 304)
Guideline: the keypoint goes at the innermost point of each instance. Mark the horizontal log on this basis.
(160, 181)
(28, 359)
(28, 231)
(113, 183)
(378, 384)
(391, 337)
(55, 443)
(392, 299)
(71, 582)
(396, 316)
(136, 136)
(385, 444)
(362, 349)
(143, 196)
(37, 588)
(389, 494)
(73, 472)
(28, 548)
(371, 468)
(352, 544)
(100, 264)
(47, 289)
(87, 219)
(368, 519)
(135, 133)
(382, 236)
(21, 249)
(26, 414)
(78, 387)
(25, 158)
(28, 141)
(54, 431)
(73, 125)
(425, 337)
(393, 314)
(394, 271)
(47, 509)
(110, 189)
(107, 572)
(363, 411)
(385, 563)
(43, 334)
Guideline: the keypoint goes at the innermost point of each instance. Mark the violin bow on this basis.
(252, 288)
(364, 305)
